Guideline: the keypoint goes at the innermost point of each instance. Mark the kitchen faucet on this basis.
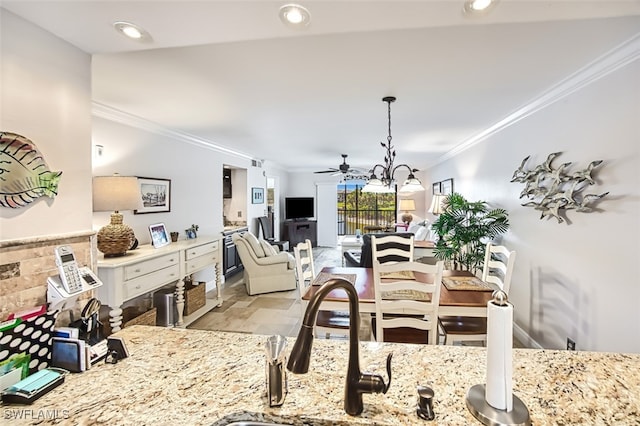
(357, 383)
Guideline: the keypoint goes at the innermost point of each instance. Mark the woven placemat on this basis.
(399, 275)
(466, 283)
(323, 277)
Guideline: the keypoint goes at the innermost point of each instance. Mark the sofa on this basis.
(363, 258)
(266, 269)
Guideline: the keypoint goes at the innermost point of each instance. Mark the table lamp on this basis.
(407, 205)
(115, 193)
(437, 204)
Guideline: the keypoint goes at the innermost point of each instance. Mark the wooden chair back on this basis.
(407, 302)
(498, 266)
(305, 270)
(392, 248)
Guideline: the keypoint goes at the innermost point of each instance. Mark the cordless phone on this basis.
(68, 269)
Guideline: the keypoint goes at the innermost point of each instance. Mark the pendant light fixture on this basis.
(386, 182)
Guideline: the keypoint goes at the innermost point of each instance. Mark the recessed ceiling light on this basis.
(132, 31)
(295, 16)
(478, 6)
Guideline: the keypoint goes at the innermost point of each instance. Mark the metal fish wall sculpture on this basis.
(554, 190)
(24, 175)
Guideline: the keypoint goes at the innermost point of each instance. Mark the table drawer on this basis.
(198, 263)
(193, 252)
(148, 266)
(151, 281)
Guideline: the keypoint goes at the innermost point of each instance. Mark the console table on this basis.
(147, 269)
(297, 231)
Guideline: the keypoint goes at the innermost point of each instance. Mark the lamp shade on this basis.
(437, 204)
(411, 185)
(115, 193)
(407, 205)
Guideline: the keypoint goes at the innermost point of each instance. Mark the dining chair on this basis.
(391, 248)
(267, 234)
(497, 270)
(406, 309)
(327, 322)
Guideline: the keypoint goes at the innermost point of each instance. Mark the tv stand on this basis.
(298, 230)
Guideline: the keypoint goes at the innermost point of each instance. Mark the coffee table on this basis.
(350, 242)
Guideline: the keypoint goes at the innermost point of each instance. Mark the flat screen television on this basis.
(298, 208)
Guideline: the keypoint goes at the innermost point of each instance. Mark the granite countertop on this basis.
(176, 376)
(230, 229)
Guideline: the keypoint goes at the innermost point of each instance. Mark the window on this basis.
(364, 210)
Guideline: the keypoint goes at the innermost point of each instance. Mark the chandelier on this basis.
(386, 182)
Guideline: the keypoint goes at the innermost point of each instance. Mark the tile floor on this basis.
(271, 313)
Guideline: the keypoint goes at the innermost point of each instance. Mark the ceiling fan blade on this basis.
(327, 171)
(357, 172)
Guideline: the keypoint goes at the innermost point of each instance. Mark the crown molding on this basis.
(618, 57)
(118, 116)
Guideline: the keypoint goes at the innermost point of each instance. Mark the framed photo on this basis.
(435, 188)
(159, 235)
(155, 194)
(257, 195)
(446, 186)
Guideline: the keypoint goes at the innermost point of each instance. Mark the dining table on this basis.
(469, 303)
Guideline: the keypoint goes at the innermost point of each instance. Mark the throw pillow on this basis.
(254, 243)
(413, 228)
(269, 250)
(421, 234)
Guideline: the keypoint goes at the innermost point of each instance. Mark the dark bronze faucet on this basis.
(357, 383)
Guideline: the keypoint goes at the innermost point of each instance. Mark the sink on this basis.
(261, 419)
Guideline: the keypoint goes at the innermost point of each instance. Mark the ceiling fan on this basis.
(344, 169)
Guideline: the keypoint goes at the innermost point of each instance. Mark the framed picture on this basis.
(446, 186)
(435, 188)
(257, 195)
(159, 235)
(155, 194)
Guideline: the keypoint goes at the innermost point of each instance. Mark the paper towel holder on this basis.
(482, 410)
(488, 415)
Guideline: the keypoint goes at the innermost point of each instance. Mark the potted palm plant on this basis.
(463, 230)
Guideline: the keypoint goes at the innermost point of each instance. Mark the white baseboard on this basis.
(524, 338)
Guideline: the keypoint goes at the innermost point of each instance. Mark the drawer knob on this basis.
(138, 287)
(137, 270)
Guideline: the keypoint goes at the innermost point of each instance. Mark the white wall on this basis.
(578, 279)
(195, 173)
(46, 97)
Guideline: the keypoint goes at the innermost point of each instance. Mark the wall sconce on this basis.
(115, 193)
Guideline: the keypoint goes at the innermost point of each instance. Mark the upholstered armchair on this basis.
(265, 268)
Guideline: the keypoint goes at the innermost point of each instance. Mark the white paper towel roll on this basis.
(499, 389)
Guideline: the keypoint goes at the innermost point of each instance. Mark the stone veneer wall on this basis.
(25, 266)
